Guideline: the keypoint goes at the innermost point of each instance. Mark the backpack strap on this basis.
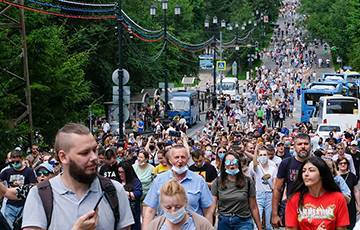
(111, 196)
(46, 196)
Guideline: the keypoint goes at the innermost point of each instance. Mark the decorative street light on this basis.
(177, 12)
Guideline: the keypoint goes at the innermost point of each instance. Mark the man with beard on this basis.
(76, 191)
(286, 176)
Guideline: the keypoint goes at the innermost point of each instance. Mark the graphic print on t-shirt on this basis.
(16, 180)
(312, 212)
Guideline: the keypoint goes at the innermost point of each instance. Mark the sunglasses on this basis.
(222, 152)
(231, 162)
(342, 163)
(42, 173)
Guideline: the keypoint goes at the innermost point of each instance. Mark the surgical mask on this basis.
(181, 170)
(16, 165)
(221, 155)
(208, 153)
(263, 159)
(232, 172)
(177, 217)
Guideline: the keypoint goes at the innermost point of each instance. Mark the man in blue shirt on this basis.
(198, 193)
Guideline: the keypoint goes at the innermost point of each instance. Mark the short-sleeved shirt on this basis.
(232, 199)
(197, 191)
(288, 170)
(68, 208)
(330, 209)
(16, 178)
(207, 171)
(110, 171)
(263, 184)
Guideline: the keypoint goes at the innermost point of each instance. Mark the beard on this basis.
(79, 174)
(303, 154)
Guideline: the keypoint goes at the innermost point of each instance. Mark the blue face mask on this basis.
(177, 217)
(232, 172)
(221, 155)
(16, 165)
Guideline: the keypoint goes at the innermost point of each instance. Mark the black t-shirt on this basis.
(288, 170)
(16, 178)
(351, 182)
(110, 172)
(207, 171)
(356, 160)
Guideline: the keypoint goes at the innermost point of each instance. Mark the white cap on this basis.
(354, 143)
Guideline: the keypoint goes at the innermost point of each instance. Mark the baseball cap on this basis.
(280, 143)
(47, 166)
(354, 143)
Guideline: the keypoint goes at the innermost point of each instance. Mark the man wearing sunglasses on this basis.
(16, 175)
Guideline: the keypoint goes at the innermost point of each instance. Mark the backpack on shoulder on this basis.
(46, 196)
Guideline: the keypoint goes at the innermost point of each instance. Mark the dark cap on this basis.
(280, 143)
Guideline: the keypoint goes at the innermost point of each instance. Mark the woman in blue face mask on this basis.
(173, 201)
(235, 195)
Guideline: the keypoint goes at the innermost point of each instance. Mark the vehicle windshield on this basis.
(353, 78)
(342, 106)
(334, 78)
(227, 86)
(179, 103)
(329, 128)
(313, 98)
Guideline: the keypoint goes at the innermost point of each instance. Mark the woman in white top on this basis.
(144, 171)
(263, 174)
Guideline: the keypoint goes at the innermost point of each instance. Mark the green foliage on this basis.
(338, 23)
(71, 60)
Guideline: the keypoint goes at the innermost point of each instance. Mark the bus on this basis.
(352, 81)
(185, 104)
(337, 77)
(341, 110)
(311, 95)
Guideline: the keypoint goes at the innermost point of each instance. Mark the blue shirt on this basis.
(198, 192)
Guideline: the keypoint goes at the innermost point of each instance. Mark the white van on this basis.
(341, 110)
(228, 86)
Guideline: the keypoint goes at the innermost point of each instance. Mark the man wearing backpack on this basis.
(69, 200)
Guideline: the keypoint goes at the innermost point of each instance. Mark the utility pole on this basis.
(26, 72)
(165, 61)
(221, 58)
(214, 99)
(120, 74)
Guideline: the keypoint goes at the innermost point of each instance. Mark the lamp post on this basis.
(120, 73)
(215, 27)
(177, 12)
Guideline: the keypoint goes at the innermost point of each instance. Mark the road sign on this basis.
(126, 90)
(162, 85)
(126, 99)
(234, 68)
(221, 65)
(115, 78)
(114, 113)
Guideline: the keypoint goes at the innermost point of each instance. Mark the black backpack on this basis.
(46, 196)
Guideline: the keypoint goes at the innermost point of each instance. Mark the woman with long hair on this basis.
(235, 195)
(351, 181)
(144, 171)
(132, 186)
(316, 201)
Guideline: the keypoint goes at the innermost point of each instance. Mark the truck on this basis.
(229, 86)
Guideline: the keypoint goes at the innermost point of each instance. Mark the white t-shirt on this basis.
(258, 173)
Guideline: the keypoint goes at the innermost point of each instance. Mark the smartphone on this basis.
(98, 202)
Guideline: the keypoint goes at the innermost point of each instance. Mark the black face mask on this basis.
(152, 148)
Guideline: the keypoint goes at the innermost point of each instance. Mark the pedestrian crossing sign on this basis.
(221, 65)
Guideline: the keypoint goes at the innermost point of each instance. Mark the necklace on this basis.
(347, 175)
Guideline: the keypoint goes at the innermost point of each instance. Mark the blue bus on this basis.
(311, 96)
(336, 77)
(185, 104)
(352, 82)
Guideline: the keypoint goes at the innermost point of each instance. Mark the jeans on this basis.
(11, 212)
(233, 222)
(264, 203)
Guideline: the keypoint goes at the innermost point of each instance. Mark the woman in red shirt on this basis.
(316, 202)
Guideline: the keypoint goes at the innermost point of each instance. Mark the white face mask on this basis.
(263, 159)
(181, 170)
(177, 217)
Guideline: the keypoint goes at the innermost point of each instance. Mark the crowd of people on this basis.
(245, 169)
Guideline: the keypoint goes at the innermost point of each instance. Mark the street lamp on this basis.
(177, 12)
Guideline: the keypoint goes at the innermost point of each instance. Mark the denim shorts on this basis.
(234, 222)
